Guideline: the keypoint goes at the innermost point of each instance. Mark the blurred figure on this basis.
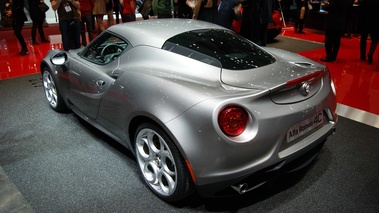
(257, 14)
(334, 26)
(228, 10)
(351, 19)
(17, 13)
(69, 22)
(163, 8)
(129, 12)
(285, 6)
(147, 9)
(301, 14)
(117, 10)
(184, 11)
(86, 7)
(38, 17)
(110, 17)
(368, 25)
(99, 10)
(205, 10)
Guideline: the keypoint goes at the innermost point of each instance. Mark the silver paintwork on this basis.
(184, 96)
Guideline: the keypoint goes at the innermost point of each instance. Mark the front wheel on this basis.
(51, 92)
(161, 164)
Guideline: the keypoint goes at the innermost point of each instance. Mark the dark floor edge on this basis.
(11, 200)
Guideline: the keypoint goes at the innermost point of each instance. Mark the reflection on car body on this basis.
(200, 107)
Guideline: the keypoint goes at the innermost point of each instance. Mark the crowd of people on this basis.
(79, 18)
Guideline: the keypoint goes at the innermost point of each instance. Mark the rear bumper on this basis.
(264, 176)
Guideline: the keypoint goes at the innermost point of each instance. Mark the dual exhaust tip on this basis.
(241, 188)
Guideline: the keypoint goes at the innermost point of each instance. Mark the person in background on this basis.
(301, 14)
(128, 14)
(18, 19)
(368, 25)
(205, 10)
(69, 22)
(334, 26)
(38, 17)
(184, 11)
(257, 14)
(86, 7)
(350, 20)
(117, 10)
(109, 8)
(285, 6)
(99, 10)
(146, 10)
(163, 8)
(228, 10)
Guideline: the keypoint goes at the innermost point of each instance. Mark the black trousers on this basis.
(363, 44)
(38, 24)
(17, 29)
(259, 34)
(332, 43)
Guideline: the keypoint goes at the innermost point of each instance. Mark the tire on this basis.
(52, 93)
(161, 164)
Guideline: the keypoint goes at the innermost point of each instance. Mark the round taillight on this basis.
(232, 120)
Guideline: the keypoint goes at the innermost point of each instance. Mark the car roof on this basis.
(154, 32)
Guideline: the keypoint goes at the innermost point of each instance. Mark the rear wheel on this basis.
(51, 92)
(161, 164)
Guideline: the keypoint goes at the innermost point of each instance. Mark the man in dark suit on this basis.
(228, 10)
(18, 20)
(334, 26)
(368, 25)
(257, 14)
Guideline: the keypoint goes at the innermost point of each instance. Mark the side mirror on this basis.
(59, 58)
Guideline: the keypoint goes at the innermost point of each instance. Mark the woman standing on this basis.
(38, 18)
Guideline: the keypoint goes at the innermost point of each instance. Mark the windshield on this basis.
(219, 46)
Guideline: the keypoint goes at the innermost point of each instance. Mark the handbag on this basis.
(43, 7)
(6, 21)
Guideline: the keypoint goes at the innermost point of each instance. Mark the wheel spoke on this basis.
(150, 171)
(168, 163)
(156, 162)
(50, 89)
(166, 182)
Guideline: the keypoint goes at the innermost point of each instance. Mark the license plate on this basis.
(304, 126)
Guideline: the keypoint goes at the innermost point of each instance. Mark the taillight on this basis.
(232, 120)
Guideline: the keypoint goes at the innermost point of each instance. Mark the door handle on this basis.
(100, 83)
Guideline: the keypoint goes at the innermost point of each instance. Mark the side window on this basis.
(104, 49)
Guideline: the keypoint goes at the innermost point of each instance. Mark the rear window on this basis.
(219, 47)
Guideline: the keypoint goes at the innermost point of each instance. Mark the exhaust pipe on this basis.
(241, 188)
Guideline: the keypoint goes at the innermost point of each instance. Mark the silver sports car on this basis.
(200, 107)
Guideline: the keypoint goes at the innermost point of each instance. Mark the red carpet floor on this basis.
(357, 83)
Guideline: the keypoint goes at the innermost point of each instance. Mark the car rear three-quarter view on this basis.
(200, 107)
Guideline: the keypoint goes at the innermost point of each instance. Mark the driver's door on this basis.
(89, 77)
